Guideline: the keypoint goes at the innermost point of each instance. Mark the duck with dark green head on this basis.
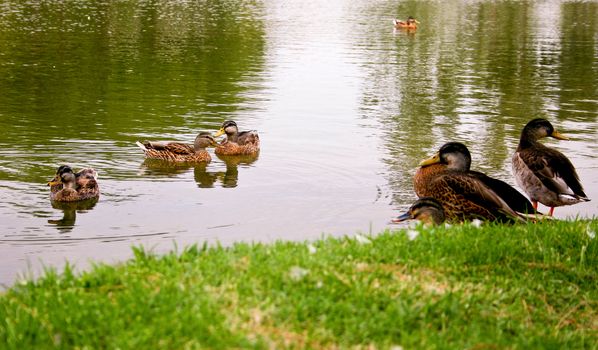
(237, 143)
(545, 174)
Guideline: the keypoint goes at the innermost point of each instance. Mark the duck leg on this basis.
(551, 211)
(535, 204)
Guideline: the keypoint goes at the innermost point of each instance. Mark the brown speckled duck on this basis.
(68, 186)
(178, 151)
(426, 209)
(237, 143)
(464, 195)
(431, 167)
(545, 174)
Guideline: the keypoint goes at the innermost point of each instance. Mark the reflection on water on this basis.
(346, 107)
(69, 211)
(205, 176)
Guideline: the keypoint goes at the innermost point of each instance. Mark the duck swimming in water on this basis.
(178, 151)
(68, 186)
(237, 143)
(410, 23)
(545, 174)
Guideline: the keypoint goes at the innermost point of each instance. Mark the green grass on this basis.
(517, 287)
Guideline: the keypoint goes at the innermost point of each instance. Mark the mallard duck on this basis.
(427, 210)
(545, 174)
(462, 161)
(68, 186)
(463, 194)
(410, 23)
(237, 143)
(178, 151)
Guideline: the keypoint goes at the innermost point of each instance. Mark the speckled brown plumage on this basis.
(422, 177)
(180, 152)
(464, 198)
(426, 209)
(237, 143)
(229, 148)
(464, 194)
(506, 192)
(68, 186)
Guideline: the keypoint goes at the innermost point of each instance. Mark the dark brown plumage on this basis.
(237, 143)
(545, 174)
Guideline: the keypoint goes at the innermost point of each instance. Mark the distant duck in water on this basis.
(433, 166)
(545, 174)
(427, 210)
(68, 186)
(178, 151)
(410, 23)
(237, 143)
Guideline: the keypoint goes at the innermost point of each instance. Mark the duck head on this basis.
(204, 140)
(426, 209)
(454, 155)
(229, 128)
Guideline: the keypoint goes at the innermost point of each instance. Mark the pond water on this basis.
(346, 107)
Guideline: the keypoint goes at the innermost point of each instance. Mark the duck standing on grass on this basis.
(178, 151)
(237, 143)
(68, 186)
(545, 174)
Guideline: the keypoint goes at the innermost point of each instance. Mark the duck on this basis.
(237, 143)
(68, 186)
(432, 166)
(427, 210)
(543, 173)
(178, 151)
(464, 195)
(410, 23)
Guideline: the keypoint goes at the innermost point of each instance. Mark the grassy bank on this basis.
(527, 286)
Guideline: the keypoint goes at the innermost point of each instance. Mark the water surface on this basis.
(345, 105)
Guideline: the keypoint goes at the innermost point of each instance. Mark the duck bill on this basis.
(55, 181)
(219, 133)
(402, 217)
(432, 160)
(557, 135)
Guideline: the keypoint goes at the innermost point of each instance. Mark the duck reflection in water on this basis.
(231, 175)
(204, 177)
(69, 213)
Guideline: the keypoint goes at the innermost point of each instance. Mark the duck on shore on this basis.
(545, 174)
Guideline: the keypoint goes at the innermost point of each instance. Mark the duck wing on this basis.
(248, 137)
(514, 199)
(179, 148)
(477, 193)
(554, 169)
